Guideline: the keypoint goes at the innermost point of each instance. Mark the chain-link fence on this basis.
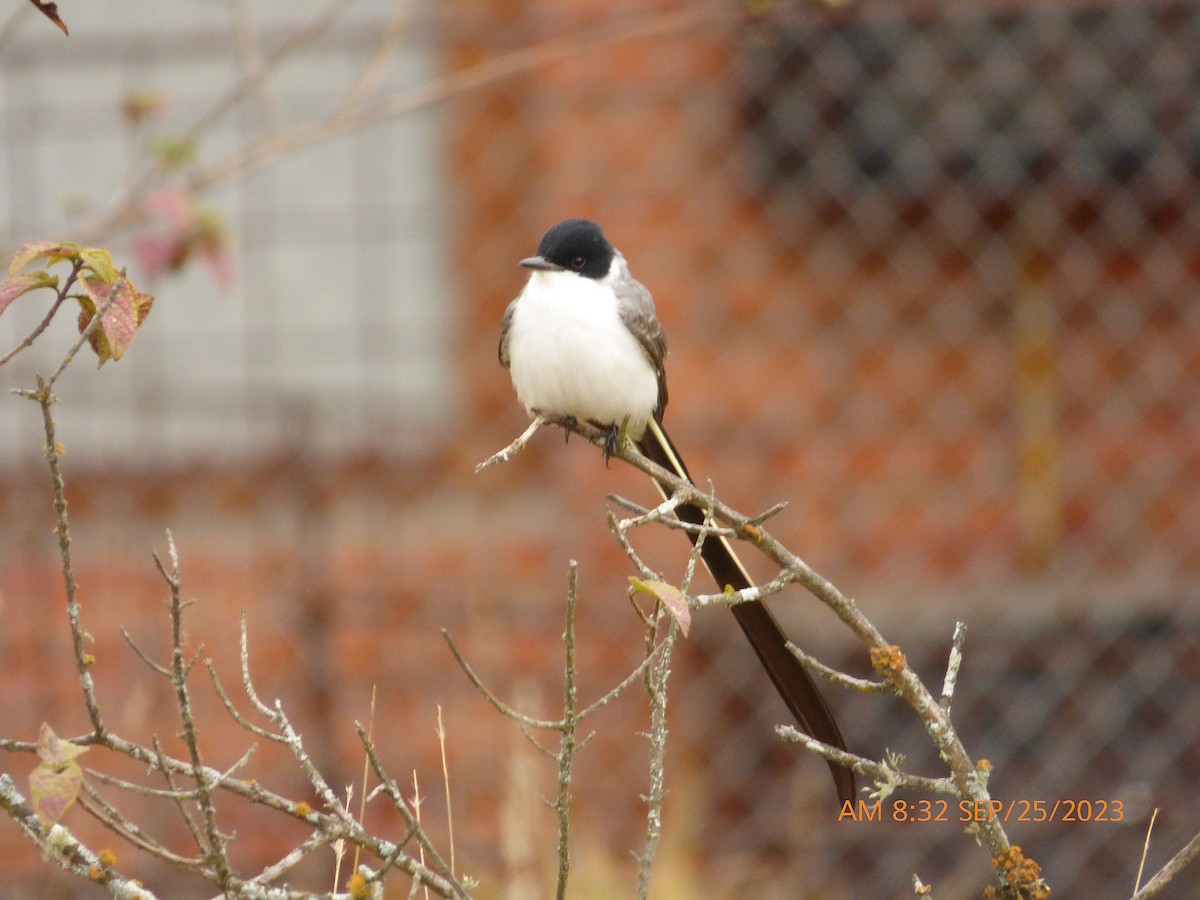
(928, 272)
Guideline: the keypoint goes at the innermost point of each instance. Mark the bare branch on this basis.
(656, 677)
(169, 778)
(969, 783)
(503, 708)
(443, 879)
(503, 456)
(567, 745)
(952, 667)
(79, 637)
(140, 654)
(122, 826)
(61, 296)
(864, 766)
(861, 685)
(1180, 861)
(63, 849)
(213, 847)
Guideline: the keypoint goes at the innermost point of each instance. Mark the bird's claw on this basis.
(568, 422)
(613, 436)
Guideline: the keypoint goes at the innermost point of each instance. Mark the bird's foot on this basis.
(568, 422)
(614, 437)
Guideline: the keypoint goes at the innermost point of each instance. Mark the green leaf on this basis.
(55, 781)
(129, 309)
(671, 598)
(22, 283)
(52, 250)
(101, 263)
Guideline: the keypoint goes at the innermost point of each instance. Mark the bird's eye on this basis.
(578, 262)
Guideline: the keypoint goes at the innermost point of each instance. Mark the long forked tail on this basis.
(793, 682)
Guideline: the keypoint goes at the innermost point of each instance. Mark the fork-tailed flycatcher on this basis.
(582, 340)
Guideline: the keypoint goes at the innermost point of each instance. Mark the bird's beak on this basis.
(541, 264)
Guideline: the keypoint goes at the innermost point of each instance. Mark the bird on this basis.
(582, 342)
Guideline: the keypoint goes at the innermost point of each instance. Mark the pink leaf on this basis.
(671, 598)
(154, 254)
(54, 783)
(53, 792)
(174, 207)
(54, 751)
(52, 250)
(17, 285)
(125, 314)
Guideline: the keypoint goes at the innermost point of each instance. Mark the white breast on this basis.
(570, 354)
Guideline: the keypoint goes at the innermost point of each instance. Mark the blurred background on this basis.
(928, 270)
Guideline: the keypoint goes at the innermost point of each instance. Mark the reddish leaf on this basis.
(125, 314)
(188, 232)
(173, 206)
(50, 11)
(54, 783)
(17, 285)
(672, 599)
(155, 255)
(52, 250)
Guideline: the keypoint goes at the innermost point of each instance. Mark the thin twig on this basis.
(109, 816)
(567, 744)
(247, 683)
(234, 714)
(442, 878)
(441, 731)
(213, 847)
(758, 592)
(503, 708)
(1180, 861)
(863, 766)
(1137, 882)
(135, 788)
(656, 687)
(503, 456)
(362, 803)
(79, 637)
(63, 848)
(86, 334)
(619, 532)
(862, 685)
(293, 858)
(952, 667)
(767, 514)
(59, 299)
(625, 682)
(141, 654)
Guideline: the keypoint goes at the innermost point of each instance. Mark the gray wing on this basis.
(505, 325)
(636, 309)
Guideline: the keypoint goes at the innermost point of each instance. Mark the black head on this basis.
(574, 245)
